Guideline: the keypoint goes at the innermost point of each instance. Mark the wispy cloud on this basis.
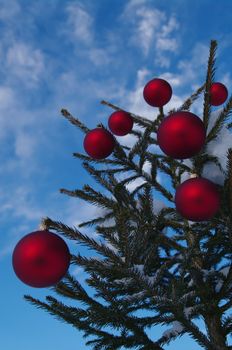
(151, 30)
(27, 129)
(192, 68)
(79, 28)
(81, 23)
(25, 63)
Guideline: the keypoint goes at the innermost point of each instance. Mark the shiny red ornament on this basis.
(197, 199)
(99, 143)
(218, 94)
(40, 259)
(120, 123)
(181, 135)
(157, 92)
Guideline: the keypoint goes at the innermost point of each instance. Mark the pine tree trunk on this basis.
(215, 332)
(212, 321)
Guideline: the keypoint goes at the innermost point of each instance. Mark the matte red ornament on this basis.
(157, 92)
(197, 199)
(99, 143)
(40, 259)
(181, 135)
(120, 123)
(218, 94)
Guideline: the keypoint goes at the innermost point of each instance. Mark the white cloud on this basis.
(79, 29)
(190, 70)
(7, 98)
(99, 57)
(21, 204)
(12, 237)
(166, 44)
(226, 80)
(173, 79)
(25, 63)
(218, 147)
(150, 21)
(141, 75)
(167, 29)
(25, 145)
(17, 131)
(80, 22)
(151, 30)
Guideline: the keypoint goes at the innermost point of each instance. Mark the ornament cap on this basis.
(43, 226)
(100, 125)
(193, 175)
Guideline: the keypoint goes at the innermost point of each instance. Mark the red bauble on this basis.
(157, 92)
(120, 123)
(181, 135)
(40, 259)
(197, 199)
(99, 143)
(218, 94)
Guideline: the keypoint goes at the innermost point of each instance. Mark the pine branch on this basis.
(139, 120)
(189, 101)
(74, 234)
(98, 220)
(141, 145)
(209, 81)
(226, 112)
(98, 176)
(81, 325)
(201, 159)
(113, 171)
(142, 266)
(74, 121)
(194, 332)
(92, 160)
(150, 181)
(92, 197)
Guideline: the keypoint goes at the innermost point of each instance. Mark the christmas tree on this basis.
(179, 277)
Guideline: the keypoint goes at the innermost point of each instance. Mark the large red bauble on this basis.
(197, 199)
(120, 123)
(218, 94)
(157, 92)
(99, 143)
(40, 259)
(181, 135)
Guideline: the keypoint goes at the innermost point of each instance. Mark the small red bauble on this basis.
(197, 199)
(99, 143)
(120, 123)
(181, 135)
(157, 92)
(218, 94)
(40, 259)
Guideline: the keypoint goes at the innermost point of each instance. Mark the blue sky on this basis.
(72, 54)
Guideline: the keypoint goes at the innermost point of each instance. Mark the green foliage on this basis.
(143, 267)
